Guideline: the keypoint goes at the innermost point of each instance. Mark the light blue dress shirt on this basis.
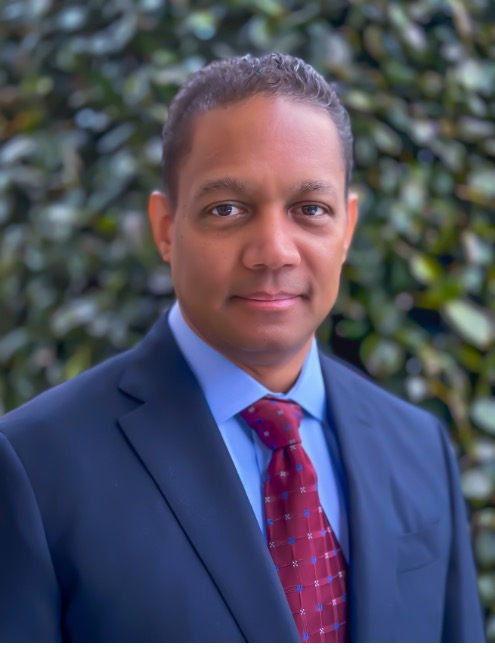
(228, 390)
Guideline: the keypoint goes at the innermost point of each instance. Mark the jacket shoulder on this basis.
(69, 401)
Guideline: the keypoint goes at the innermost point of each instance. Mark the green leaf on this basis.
(481, 180)
(486, 584)
(484, 546)
(381, 357)
(78, 362)
(476, 485)
(425, 269)
(483, 413)
(474, 324)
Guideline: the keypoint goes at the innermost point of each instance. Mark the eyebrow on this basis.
(236, 185)
(315, 186)
(226, 183)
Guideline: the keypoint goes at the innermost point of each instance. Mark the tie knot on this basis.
(275, 420)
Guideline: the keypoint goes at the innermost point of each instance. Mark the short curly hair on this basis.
(232, 80)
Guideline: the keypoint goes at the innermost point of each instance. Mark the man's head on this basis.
(256, 220)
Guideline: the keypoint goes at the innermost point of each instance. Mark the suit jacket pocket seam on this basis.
(419, 549)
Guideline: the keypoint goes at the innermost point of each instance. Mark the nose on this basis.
(271, 242)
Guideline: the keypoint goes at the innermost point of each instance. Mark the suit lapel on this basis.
(372, 584)
(177, 440)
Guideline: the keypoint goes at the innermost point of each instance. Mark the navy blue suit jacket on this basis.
(122, 517)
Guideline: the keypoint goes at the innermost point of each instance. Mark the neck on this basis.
(277, 375)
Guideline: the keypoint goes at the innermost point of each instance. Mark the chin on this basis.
(270, 344)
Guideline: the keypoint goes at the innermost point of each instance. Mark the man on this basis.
(225, 481)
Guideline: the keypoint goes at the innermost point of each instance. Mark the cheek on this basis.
(325, 260)
(198, 264)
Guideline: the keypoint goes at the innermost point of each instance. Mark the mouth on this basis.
(265, 301)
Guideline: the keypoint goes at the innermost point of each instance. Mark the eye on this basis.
(312, 210)
(225, 210)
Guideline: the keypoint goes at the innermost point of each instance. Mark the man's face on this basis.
(260, 229)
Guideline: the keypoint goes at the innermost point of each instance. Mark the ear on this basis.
(161, 220)
(352, 217)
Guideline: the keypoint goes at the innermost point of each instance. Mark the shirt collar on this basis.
(228, 389)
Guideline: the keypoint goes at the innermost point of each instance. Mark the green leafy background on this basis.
(83, 94)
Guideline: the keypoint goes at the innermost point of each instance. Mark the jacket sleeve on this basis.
(463, 620)
(29, 595)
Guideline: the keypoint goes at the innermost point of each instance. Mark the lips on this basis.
(267, 297)
(268, 302)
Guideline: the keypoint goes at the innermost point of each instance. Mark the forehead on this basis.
(263, 140)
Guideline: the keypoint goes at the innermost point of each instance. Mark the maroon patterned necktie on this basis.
(306, 553)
